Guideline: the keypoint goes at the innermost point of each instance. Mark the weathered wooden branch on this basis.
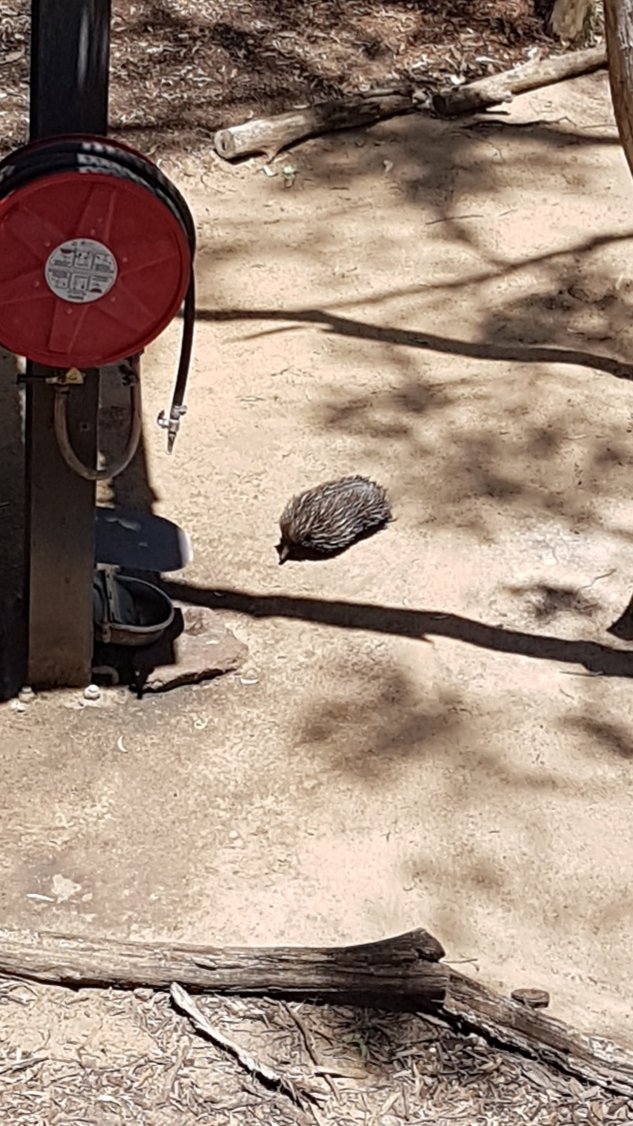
(404, 968)
(270, 135)
(497, 88)
(405, 972)
(591, 1058)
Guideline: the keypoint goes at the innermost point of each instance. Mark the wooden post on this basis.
(70, 47)
(618, 18)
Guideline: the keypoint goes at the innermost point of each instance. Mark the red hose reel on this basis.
(96, 252)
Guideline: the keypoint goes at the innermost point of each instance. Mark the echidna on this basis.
(329, 518)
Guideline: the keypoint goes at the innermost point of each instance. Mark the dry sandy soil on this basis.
(433, 729)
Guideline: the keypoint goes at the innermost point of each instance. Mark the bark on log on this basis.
(498, 88)
(272, 134)
(618, 19)
(591, 1058)
(404, 972)
(404, 969)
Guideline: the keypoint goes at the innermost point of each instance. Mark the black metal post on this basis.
(70, 47)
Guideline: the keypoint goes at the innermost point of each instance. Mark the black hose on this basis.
(84, 154)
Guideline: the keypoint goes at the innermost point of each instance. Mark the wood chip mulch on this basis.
(182, 69)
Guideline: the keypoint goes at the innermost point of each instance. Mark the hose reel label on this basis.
(81, 270)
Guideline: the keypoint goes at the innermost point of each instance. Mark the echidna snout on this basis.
(331, 517)
(283, 551)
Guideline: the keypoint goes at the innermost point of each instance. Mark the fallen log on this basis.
(402, 972)
(405, 969)
(498, 88)
(270, 135)
(511, 1024)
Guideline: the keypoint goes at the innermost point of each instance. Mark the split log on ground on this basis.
(270, 135)
(402, 972)
(514, 1025)
(498, 88)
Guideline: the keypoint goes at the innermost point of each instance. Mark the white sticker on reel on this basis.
(81, 270)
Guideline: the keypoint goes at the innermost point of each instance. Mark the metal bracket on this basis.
(71, 378)
(28, 375)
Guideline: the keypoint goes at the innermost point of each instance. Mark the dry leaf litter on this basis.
(181, 69)
(140, 1060)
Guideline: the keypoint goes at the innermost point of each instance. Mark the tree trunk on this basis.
(619, 34)
(569, 19)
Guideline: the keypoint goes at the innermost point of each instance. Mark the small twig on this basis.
(606, 575)
(305, 1035)
(266, 1075)
(453, 218)
(319, 1069)
(333, 1072)
(21, 1064)
(171, 1075)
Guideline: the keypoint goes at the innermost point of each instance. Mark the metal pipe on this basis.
(60, 422)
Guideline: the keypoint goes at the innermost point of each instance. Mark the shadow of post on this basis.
(131, 535)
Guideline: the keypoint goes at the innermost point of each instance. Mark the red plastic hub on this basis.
(92, 269)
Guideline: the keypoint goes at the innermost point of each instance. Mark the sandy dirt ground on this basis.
(435, 728)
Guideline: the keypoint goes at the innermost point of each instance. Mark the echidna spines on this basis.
(330, 517)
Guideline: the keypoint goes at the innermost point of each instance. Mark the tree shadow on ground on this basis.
(616, 737)
(421, 625)
(458, 762)
(563, 309)
(331, 322)
(546, 601)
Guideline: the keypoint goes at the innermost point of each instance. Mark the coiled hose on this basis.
(85, 154)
